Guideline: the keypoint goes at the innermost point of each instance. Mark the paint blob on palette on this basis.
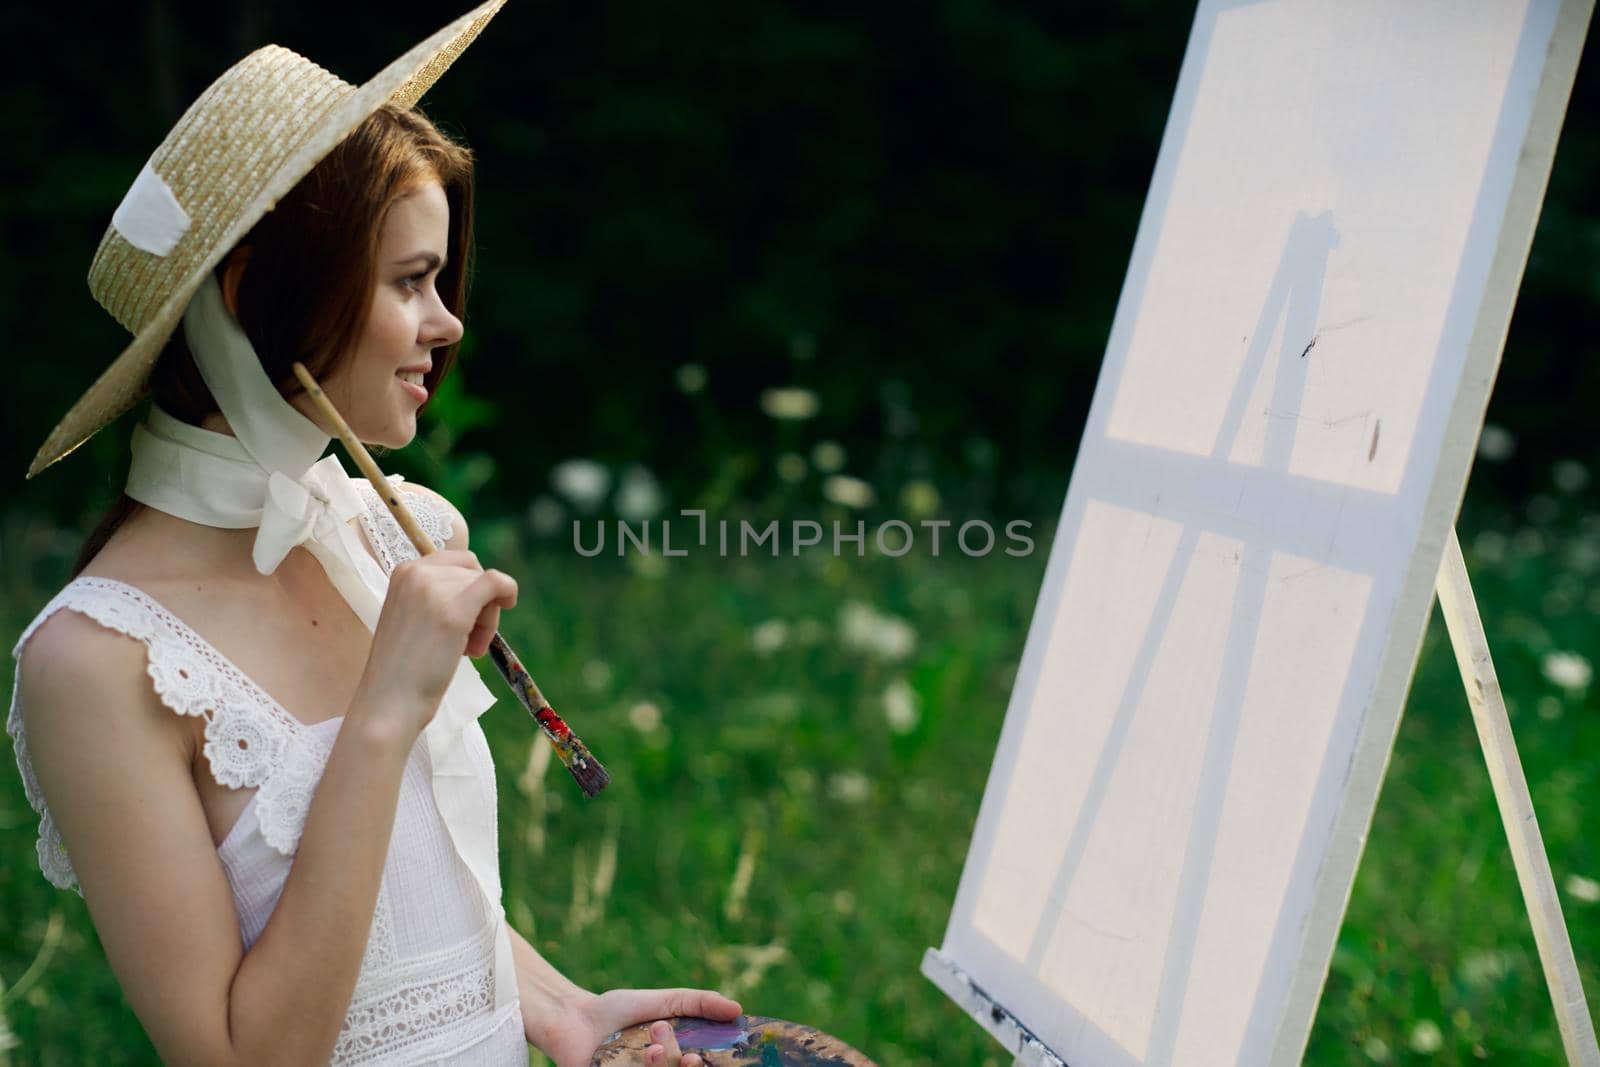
(748, 1041)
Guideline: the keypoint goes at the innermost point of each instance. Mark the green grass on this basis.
(851, 830)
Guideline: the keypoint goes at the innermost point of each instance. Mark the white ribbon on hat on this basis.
(267, 476)
(150, 217)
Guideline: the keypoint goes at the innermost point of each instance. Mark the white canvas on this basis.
(1276, 449)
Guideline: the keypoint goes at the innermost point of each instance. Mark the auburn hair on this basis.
(306, 289)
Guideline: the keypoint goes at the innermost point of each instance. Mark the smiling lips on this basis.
(412, 381)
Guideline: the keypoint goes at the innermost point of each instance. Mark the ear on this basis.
(232, 272)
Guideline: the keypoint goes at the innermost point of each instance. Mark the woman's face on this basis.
(407, 321)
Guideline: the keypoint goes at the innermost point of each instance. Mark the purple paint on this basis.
(710, 1036)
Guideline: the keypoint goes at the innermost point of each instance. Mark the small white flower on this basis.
(644, 716)
(1496, 443)
(900, 706)
(800, 780)
(1426, 1038)
(789, 402)
(1583, 555)
(849, 787)
(585, 482)
(769, 636)
(1570, 476)
(546, 515)
(809, 631)
(863, 628)
(827, 456)
(596, 674)
(651, 565)
(848, 492)
(639, 497)
(691, 377)
(1485, 966)
(919, 497)
(1376, 1050)
(1569, 670)
(1490, 546)
(1580, 888)
(791, 467)
(1528, 542)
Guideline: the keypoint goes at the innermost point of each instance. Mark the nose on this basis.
(440, 328)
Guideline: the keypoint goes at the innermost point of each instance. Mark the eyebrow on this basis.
(433, 261)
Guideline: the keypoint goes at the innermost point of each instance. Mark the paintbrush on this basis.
(575, 755)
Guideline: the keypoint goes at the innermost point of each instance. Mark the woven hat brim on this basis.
(123, 383)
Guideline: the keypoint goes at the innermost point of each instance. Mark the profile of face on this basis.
(406, 322)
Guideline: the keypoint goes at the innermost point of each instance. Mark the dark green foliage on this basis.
(923, 216)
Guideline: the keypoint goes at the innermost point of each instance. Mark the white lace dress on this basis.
(425, 994)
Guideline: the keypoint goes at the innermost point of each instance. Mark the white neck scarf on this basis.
(267, 476)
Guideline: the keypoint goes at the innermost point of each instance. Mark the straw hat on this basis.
(241, 146)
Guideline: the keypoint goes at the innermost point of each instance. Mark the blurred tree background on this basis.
(804, 260)
(919, 216)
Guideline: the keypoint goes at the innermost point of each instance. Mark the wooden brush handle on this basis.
(358, 451)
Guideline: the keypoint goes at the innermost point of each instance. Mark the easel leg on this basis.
(1516, 807)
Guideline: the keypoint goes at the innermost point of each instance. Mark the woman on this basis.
(247, 723)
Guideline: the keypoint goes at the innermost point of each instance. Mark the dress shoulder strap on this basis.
(251, 741)
(390, 541)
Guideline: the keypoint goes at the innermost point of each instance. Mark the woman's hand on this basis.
(573, 1039)
(438, 608)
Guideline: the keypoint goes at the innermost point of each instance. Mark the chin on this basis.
(398, 440)
(390, 437)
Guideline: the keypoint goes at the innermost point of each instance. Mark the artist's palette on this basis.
(748, 1041)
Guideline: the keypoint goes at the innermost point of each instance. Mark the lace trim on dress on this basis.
(52, 853)
(424, 1007)
(251, 741)
(388, 539)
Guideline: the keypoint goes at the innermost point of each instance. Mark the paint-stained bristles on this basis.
(575, 755)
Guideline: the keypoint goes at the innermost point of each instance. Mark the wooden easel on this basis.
(1532, 865)
(1516, 807)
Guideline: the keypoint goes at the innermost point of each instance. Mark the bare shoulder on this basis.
(458, 529)
(72, 659)
(75, 675)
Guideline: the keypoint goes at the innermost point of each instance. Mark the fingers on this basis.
(489, 586)
(488, 594)
(459, 557)
(625, 1007)
(706, 1004)
(493, 587)
(482, 636)
(665, 1051)
(635, 1005)
(508, 593)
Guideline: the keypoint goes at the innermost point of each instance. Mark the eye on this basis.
(413, 282)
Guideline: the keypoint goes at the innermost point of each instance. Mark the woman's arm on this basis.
(114, 765)
(292, 990)
(547, 996)
(568, 1023)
